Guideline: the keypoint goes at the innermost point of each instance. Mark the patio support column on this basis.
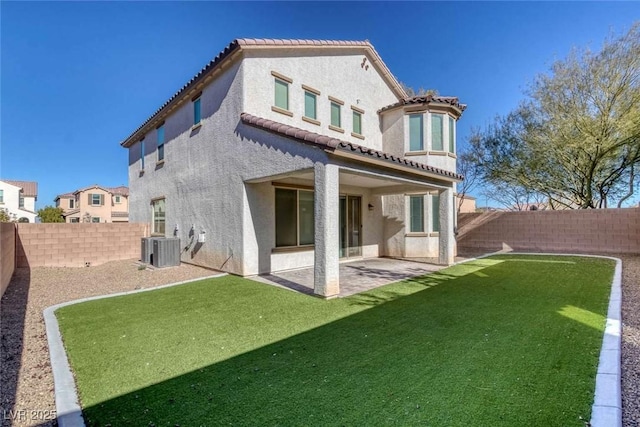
(326, 208)
(446, 250)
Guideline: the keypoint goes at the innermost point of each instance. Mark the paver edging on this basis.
(69, 413)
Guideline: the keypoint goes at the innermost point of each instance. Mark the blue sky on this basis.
(78, 77)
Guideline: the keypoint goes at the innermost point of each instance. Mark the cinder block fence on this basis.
(580, 231)
(66, 245)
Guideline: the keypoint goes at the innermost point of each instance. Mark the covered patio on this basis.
(355, 276)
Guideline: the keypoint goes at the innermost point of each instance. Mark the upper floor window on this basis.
(452, 135)
(71, 203)
(357, 122)
(158, 216)
(142, 154)
(335, 115)
(117, 198)
(416, 132)
(21, 201)
(310, 104)
(437, 137)
(160, 133)
(281, 94)
(96, 199)
(1, 196)
(416, 214)
(196, 111)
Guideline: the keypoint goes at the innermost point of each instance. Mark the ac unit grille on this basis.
(166, 252)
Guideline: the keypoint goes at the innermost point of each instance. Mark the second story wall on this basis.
(340, 82)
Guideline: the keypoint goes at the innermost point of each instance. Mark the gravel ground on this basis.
(26, 384)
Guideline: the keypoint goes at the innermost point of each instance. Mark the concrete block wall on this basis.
(73, 245)
(584, 230)
(7, 254)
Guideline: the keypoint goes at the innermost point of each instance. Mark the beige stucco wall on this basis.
(7, 254)
(337, 73)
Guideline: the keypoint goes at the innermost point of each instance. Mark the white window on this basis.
(117, 198)
(142, 154)
(74, 220)
(294, 217)
(435, 213)
(416, 132)
(21, 202)
(452, 135)
(281, 94)
(95, 219)
(335, 115)
(96, 199)
(160, 135)
(416, 214)
(310, 104)
(437, 137)
(158, 212)
(357, 122)
(1, 196)
(71, 203)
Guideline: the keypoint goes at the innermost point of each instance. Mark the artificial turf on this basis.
(510, 340)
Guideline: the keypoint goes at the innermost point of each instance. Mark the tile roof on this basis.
(338, 144)
(121, 190)
(29, 188)
(238, 44)
(115, 214)
(425, 99)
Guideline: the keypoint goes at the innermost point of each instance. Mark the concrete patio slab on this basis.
(355, 276)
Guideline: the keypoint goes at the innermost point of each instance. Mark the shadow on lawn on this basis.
(399, 362)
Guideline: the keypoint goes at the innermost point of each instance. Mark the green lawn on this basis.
(510, 340)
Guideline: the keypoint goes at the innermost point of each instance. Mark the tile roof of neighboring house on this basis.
(29, 188)
(119, 214)
(338, 144)
(121, 191)
(70, 212)
(239, 44)
(425, 99)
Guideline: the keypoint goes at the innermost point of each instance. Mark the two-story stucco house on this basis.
(95, 204)
(18, 199)
(282, 154)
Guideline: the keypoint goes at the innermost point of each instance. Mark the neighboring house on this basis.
(466, 203)
(18, 198)
(95, 204)
(281, 154)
